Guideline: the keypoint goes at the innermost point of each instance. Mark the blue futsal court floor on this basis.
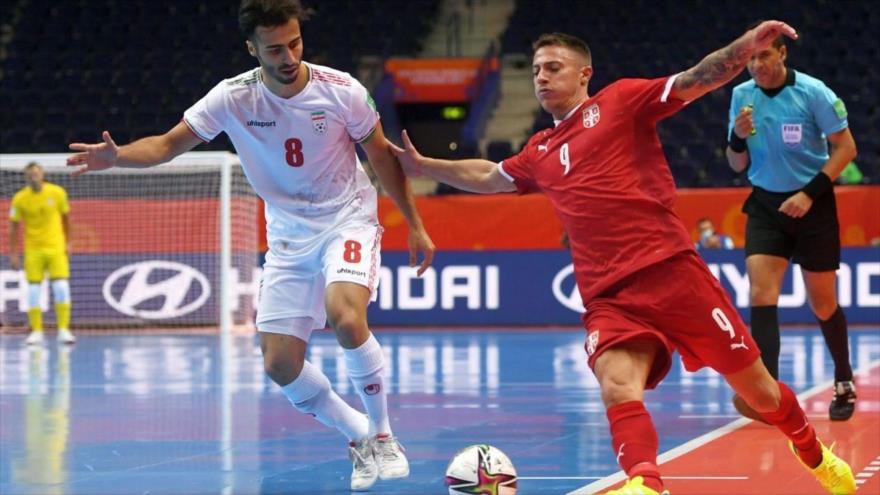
(186, 414)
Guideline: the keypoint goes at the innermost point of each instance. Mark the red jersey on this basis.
(604, 171)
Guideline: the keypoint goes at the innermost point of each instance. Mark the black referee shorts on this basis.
(812, 241)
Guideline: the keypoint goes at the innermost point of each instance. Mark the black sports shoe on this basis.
(844, 402)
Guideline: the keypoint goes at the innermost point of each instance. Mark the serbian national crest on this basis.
(592, 340)
(591, 115)
(319, 122)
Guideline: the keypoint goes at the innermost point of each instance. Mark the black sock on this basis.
(835, 333)
(765, 331)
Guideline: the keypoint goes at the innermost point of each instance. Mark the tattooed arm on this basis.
(722, 65)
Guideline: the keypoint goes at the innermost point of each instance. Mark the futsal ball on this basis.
(481, 470)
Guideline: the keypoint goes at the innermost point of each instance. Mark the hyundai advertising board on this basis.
(462, 288)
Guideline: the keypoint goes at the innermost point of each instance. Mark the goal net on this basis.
(172, 245)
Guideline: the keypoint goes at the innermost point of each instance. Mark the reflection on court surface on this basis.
(175, 414)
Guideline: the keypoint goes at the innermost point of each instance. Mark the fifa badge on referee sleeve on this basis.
(839, 108)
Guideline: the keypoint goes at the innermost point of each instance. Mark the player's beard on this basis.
(276, 74)
(283, 78)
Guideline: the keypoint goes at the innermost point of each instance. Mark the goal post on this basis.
(175, 245)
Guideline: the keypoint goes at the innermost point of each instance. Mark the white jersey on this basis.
(298, 153)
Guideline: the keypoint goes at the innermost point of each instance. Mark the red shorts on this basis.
(679, 304)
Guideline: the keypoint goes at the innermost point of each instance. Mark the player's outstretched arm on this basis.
(394, 181)
(475, 175)
(722, 65)
(144, 152)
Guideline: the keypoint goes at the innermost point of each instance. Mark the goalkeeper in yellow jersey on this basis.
(44, 209)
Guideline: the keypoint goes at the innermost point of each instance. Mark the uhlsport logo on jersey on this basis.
(565, 289)
(372, 389)
(156, 289)
(260, 123)
(319, 122)
(591, 115)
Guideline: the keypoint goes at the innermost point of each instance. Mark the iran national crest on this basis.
(319, 122)
(591, 115)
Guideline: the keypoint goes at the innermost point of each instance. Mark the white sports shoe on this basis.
(363, 465)
(390, 457)
(65, 337)
(35, 338)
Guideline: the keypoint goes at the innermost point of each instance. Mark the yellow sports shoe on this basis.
(635, 486)
(833, 473)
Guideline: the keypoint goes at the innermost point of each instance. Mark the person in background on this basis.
(710, 238)
(781, 122)
(44, 209)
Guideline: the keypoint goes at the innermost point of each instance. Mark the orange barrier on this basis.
(144, 225)
(507, 221)
(441, 80)
(459, 222)
(858, 209)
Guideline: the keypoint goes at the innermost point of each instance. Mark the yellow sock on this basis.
(35, 318)
(62, 312)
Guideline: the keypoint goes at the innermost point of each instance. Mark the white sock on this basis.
(311, 394)
(365, 366)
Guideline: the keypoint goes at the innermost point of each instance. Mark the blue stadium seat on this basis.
(498, 150)
(641, 38)
(75, 51)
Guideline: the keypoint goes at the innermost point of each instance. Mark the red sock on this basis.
(791, 420)
(635, 442)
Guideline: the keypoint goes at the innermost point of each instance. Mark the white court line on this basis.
(559, 477)
(684, 448)
(869, 471)
(601, 477)
(708, 416)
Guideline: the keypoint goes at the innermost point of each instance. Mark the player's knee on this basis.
(346, 320)
(616, 390)
(33, 295)
(823, 309)
(763, 295)
(61, 291)
(281, 369)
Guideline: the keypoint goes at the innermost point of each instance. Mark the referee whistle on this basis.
(749, 108)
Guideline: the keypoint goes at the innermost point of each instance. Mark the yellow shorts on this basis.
(38, 261)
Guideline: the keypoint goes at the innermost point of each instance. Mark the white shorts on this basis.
(295, 279)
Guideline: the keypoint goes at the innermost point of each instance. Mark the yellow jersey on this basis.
(41, 213)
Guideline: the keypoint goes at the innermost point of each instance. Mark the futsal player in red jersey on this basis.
(646, 290)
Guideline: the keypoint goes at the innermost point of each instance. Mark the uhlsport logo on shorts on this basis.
(136, 289)
(565, 289)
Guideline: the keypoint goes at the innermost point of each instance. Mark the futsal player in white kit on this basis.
(294, 126)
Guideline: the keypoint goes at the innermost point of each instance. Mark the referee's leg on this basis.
(822, 293)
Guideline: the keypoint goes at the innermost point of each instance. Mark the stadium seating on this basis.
(646, 38)
(69, 69)
(75, 67)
